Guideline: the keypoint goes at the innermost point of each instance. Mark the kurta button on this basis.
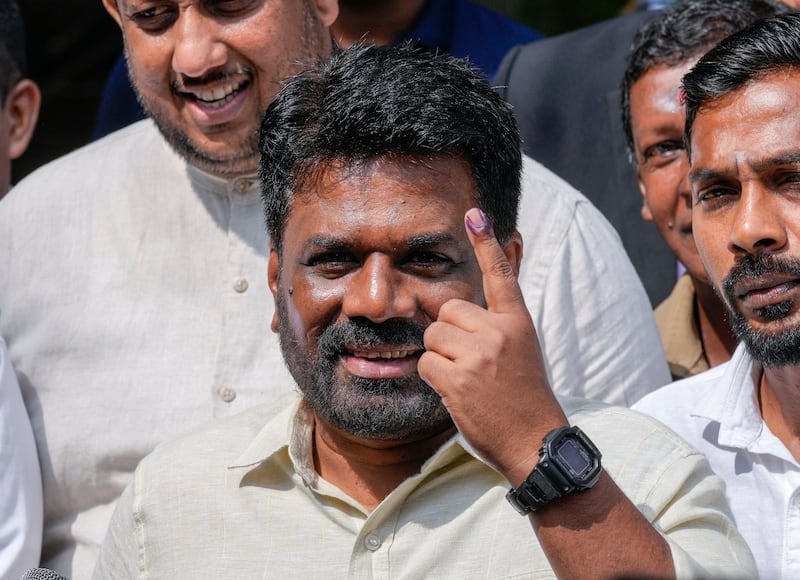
(244, 184)
(227, 394)
(372, 542)
(240, 285)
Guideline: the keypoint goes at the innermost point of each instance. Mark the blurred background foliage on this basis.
(554, 16)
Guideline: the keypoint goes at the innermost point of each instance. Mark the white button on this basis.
(226, 393)
(240, 285)
(244, 184)
(372, 542)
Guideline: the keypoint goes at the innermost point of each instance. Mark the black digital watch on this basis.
(568, 462)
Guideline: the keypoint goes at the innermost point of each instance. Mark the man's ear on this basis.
(647, 215)
(112, 8)
(327, 11)
(272, 282)
(512, 248)
(22, 112)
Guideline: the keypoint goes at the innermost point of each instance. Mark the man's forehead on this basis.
(380, 203)
(392, 164)
(438, 179)
(754, 122)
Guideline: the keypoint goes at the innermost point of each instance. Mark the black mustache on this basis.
(361, 333)
(755, 267)
(189, 82)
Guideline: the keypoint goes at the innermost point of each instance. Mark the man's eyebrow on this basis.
(696, 175)
(759, 166)
(788, 158)
(429, 239)
(328, 243)
(425, 240)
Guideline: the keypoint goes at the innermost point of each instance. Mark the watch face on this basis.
(574, 458)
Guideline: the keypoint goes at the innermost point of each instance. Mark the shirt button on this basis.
(240, 285)
(226, 393)
(244, 184)
(372, 542)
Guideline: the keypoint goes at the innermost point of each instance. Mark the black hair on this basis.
(766, 47)
(685, 30)
(369, 101)
(13, 65)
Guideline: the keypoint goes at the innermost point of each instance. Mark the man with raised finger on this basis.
(391, 184)
(133, 271)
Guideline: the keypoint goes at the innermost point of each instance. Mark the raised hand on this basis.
(487, 365)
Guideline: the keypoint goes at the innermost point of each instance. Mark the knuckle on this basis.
(424, 365)
(496, 339)
(451, 310)
(463, 384)
(429, 336)
(500, 267)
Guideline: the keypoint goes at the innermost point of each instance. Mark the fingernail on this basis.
(477, 222)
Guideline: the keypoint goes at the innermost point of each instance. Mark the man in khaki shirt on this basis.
(391, 183)
(692, 320)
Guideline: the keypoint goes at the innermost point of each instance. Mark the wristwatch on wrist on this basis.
(568, 462)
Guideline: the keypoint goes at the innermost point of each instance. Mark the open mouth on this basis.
(389, 354)
(382, 362)
(218, 96)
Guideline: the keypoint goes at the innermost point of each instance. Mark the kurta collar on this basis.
(242, 187)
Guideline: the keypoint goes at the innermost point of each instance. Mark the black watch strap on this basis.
(533, 493)
(568, 462)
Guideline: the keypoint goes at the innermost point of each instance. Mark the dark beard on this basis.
(385, 409)
(772, 349)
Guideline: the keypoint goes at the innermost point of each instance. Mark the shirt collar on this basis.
(732, 402)
(292, 429)
(676, 318)
(273, 436)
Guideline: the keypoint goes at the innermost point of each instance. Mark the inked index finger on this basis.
(500, 286)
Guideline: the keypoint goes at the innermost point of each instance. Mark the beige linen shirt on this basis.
(134, 302)
(241, 499)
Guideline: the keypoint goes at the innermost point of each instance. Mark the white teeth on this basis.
(387, 354)
(218, 96)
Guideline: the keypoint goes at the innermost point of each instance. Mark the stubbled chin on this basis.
(213, 158)
(225, 153)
